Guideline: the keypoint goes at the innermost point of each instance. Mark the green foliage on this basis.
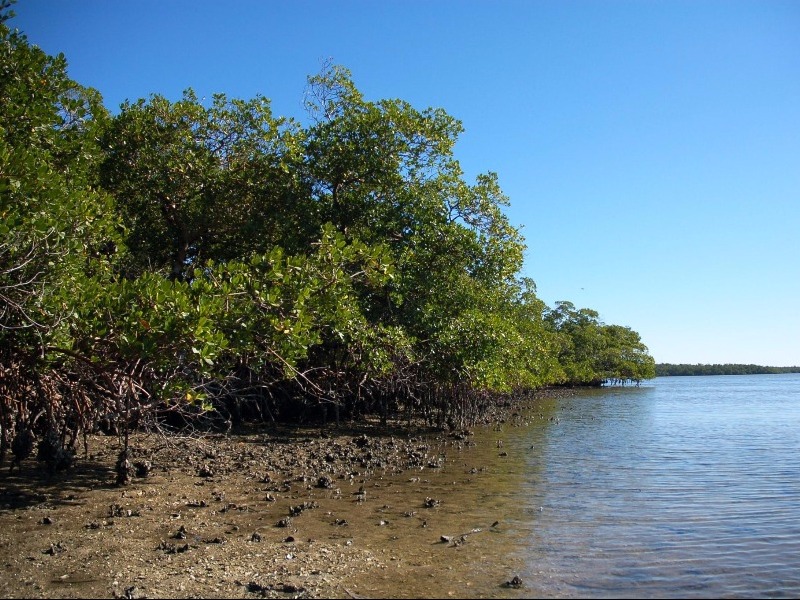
(196, 184)
(668, 369)
(58, 235)
(592, 352)
(52, 222)
(184, 257)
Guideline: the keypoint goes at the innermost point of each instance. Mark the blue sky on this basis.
(650, 150)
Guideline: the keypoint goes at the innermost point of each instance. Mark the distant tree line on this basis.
(189, 260)
(668, 369)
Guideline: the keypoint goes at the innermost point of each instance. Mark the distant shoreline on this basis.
(670, 369)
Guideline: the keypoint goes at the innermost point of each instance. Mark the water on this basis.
(685, 487)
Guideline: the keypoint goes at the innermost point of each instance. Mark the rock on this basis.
(297, 510)
(169, 548)
(361, 441)
(142, 468)
(216, 540)
(54, 549)
(285, 522)
(133, 593)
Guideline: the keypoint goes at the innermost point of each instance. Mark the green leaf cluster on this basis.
(591, 352)
(211, 255)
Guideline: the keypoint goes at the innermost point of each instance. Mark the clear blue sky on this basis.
(650, 150)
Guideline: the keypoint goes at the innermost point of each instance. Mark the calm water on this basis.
(684, 487)
(687, 487)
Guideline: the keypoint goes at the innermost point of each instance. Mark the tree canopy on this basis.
(669, 369)
(183, 258)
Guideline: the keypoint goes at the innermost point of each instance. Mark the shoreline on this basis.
(261, 512)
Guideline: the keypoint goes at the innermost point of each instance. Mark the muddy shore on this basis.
(266, 511)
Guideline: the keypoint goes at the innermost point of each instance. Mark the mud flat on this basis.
(364, 511)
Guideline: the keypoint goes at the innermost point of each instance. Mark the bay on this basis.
(684, 487)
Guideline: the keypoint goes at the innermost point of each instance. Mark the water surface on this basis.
(685, 487)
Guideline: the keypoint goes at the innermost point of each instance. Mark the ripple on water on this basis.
(685, 488)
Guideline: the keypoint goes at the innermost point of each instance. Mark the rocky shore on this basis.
(263, 511)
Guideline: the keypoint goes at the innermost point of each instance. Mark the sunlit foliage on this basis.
(190, 260)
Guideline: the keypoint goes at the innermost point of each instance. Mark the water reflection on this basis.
(687, 487)
(671, 491)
